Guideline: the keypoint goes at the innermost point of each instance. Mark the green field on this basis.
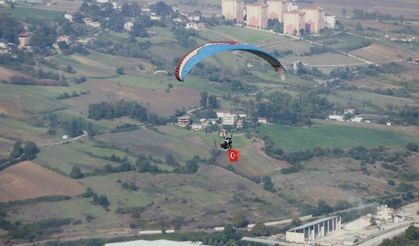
(367, 101)
(245, 35)
(347, 41)
(28, 12)
(328, 136)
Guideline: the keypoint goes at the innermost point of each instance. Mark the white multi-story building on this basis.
(330, 21)
(276, 9)
(257, 15)
(232, 10)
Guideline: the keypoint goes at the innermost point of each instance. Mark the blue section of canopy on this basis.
(212, 49)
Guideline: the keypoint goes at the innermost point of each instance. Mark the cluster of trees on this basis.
(132, 48)
(399, 92)
(69, 49)
(144, 164)
(208, 102)
(40, 229)
(23, 151)
(276, 26)
(162, 9)
(317, 50)
(54, 78)
(267, 183)
(76, 173)
(323, 208)
(44, 34)
(284, 109)
(408, 115)
(100, 200)
(115, 18)
(123, 167)
(357, 45)
(230, 236)
(72, 127)
(131, 186)
(390, 159)
(191, 166)
(110, 110)
(390, 68)
(372, 15)
(279, 54)
(10, 28)
(21, 61)
(66, 95)
(310, 73)
(409, 237)
(184, 37)
(110, 17)
(371, 70)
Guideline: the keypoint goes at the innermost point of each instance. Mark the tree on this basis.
(90, 130)
(260, 230)
(267, 183)
(204, 100)
(178, 222)
(162, 9)
(17, 151)
(88, 193)
(239, 220)
(412, 233)
(30, 151)
(76, 173)
(191, 166)
(138, 30)
(295, 222)
(10, 28)
(119, 71)
(143, 164)
(391, 182)
(212, 102)
(43, 36)
(323, 208)
(276, 26)
(103, 201)
(230, 233)
(171, 161)
(412, 146)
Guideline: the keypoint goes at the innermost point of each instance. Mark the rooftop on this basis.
(312, 223)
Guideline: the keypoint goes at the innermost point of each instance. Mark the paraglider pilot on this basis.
(228, 143)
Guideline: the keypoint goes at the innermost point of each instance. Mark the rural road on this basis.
(386, 235)
(65, 141)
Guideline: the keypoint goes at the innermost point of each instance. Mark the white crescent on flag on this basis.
(232, 155)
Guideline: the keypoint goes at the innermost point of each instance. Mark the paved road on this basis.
(387, 235)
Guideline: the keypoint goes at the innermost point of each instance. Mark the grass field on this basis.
(245, 35)
(18, 100)
(28, 12)
(328, 136)
(28, 180)
(366, 101)
(347, 41)
(12, 130)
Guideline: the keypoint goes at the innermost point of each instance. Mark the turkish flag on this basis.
(233, 155)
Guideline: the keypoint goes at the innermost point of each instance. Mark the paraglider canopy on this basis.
(190, 59)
